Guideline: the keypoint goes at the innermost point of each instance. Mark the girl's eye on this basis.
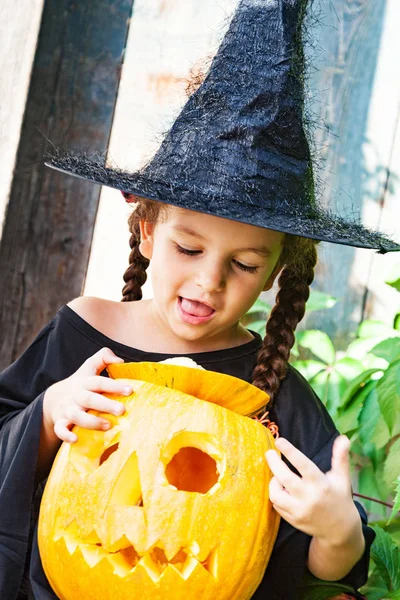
(240, 266)
(186, 251)
(246, 267)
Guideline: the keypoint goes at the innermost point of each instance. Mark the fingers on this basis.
(104, 385)
(95, 364)
(302, 463)
(283, 474)
(81, 418)
(340, 457)
(66, 403)
(77, 415)
(61, 429)
(280, 498)
(93, 401)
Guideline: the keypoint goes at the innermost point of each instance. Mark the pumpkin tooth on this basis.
(92, 538)
(93, 554)
(120, 565)
(72, 531)
(122, 544)
(71, 543)
(151, 568)
(124, 560)
(194, 549)
(187, 568)
(211, 563)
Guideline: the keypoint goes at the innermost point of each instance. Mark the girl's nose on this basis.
(211, 278)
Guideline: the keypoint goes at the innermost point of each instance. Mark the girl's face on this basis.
(206, 274)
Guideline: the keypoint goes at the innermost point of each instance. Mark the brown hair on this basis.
(298, 260)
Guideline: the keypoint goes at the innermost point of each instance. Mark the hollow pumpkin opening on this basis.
(192, 470)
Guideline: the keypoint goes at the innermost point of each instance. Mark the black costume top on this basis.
(57, 352)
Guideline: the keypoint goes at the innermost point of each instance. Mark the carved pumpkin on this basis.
(170, 503)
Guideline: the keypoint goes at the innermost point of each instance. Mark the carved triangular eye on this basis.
(127, 489)
(193, 462)
(192, 470)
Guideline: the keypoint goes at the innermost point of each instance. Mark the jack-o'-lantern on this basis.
(170, 503)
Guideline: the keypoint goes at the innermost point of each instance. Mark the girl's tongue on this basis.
(197, 309)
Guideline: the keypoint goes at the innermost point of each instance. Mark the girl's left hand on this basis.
(319, 504)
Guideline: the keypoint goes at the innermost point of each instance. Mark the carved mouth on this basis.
(154, 561)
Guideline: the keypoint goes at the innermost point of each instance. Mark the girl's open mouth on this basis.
(194, 312)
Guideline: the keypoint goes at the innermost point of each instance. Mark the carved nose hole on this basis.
(192, 470)
(107, 453)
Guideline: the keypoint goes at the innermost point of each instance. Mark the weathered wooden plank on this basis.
(350, 35)
(381, 301)
(50, 217)
(19, 20)
(167, 39)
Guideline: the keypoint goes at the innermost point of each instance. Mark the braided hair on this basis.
(135, 275)
(298, 259)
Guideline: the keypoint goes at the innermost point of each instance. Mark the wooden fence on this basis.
(101, 76)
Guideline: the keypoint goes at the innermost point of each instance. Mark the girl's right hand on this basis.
(66, 402)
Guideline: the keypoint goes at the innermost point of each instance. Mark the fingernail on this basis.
(127, 391)
(281, 443)
(106, 425)
(119, 410)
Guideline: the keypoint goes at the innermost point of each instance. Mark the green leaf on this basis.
(370, 361)
(372, 426)
(388, 390)
(396, 506)
(312, 588)
(391, 469)
(319, 301)
(388, 349)
(393, 278)
(360, 347)
(319, 343)
(377, 457)
(329, 387)
(372, 329)
(368, 486)
(395, 284)
(392, 527)
(386, 556)
(394, 595)
(356, 386)
(309, 368)
(396, 322)
(375, 588)
(348, 418)
(348, 367)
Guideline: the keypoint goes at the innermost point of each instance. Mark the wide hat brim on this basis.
(314, 223)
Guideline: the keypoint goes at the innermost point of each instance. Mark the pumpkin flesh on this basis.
(171, 503)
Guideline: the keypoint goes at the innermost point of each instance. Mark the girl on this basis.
(206, 273)
(225, 206)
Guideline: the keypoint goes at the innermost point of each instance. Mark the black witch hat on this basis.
(238, 149)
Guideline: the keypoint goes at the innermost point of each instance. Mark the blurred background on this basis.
(111, 76)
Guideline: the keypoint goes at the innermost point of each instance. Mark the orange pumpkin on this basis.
(170, 503)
